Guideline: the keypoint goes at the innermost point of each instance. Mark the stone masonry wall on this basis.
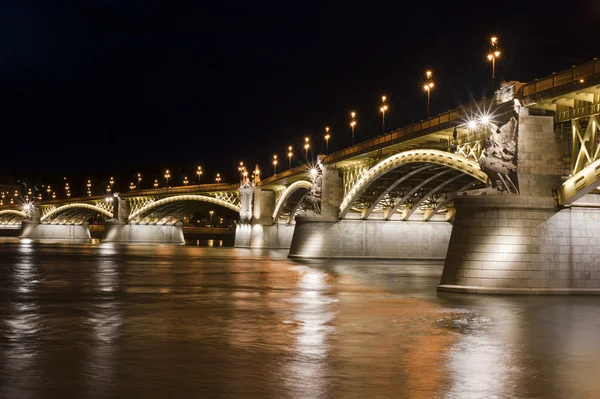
(513, 244)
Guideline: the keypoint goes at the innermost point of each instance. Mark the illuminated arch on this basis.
(437, 157)
(177, 198)
(63, 208)
(13, 212)
(287, 193)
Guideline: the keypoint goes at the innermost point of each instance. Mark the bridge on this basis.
(504, 189)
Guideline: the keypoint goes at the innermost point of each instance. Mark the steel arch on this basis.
(75, 205)
(286, 194)
(176, 198)
(443, 158)
(13, 212)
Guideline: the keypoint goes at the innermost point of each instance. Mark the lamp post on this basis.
(327, 137)
(155, 183)
(290, 153)
(112, 181)
(428, 86)
(167, 176)
(306, 146)
(211, 215)
(139, 180)
(199, 173)
(383, 108)
(185, 181)
(218, 178)
(352, 124)
(274, 164)
(492, 55)
(48, 190)
(89, 188)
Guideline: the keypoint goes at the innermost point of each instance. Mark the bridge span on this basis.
(505, 190)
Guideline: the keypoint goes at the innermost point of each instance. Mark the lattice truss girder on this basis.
(172, 209)
(76, 213)
(585, 149)
(412, 188)
(470, 142)
(351, 175)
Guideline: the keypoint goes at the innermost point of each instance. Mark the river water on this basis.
(98, 320)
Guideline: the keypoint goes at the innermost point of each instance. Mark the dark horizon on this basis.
(111, 89)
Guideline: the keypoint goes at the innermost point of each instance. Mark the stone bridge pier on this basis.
(525, 244)
(327, 236)
(33, 228)
(256, 228)
(119, 230)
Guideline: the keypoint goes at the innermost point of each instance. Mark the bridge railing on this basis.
(576, 73)
(446, 120)
(287, 173)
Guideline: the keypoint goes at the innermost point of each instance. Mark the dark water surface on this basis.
(100, 320)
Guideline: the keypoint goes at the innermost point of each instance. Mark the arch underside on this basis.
(74, 214)
(413, 191)
(11, 217)
(170, 211)
(289, 209)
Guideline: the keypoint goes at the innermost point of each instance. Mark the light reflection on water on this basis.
(101, 320)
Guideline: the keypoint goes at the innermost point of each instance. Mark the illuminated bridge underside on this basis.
(11, 216)
(172, 209)
(423, 181)
(76, 213)
(290, 200)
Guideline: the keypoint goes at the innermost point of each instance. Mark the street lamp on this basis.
(493, 54)
(48, 190)
(131, 186)
(306, 146)
(290, 153)
(139, 179)
(274, 164)
(185, 181)
(327, 137)
(352, 124)
(155, 183)
(199, 173)
(428, 86)
(218, 178)
(167, 176)
(383, 108)
(112, 181)
(211, 214)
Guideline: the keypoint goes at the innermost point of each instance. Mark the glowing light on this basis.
(490, 56)
(313, 171)
(485, 119)
(472, 124)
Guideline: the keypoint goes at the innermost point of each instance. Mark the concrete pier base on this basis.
(522, 245)
(276, 236)
(35, 230)
(142, 234)
(376, 239)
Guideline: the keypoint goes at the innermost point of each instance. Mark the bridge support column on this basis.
(522, 244)
(119, 230)
(261, 232)
(33, 229)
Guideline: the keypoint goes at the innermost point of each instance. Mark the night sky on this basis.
(99, 88)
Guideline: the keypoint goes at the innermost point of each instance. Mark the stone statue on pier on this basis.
(501, 155)
(311, 205)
